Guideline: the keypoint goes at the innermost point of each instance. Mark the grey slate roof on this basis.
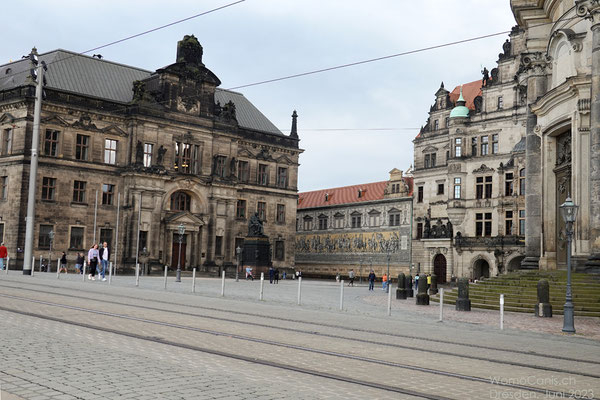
(73, 72)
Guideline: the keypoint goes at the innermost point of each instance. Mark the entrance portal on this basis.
(177, 250)
(562, 173)
(439, 268)
(481, 269)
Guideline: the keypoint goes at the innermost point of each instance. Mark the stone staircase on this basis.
(520, 292)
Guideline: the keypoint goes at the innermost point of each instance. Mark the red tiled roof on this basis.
(347, 194)
(470, 91)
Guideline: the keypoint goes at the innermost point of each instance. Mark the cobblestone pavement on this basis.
(47, 359)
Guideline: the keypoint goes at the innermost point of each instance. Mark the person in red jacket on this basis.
(3, 255)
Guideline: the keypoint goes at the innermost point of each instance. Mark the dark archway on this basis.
(515, 264)
(439, 268)
(481, 269)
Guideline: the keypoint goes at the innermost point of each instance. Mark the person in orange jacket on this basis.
(384, 281)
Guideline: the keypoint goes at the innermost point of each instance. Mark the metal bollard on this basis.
(84, 271)
(57, 268)
(223, 284)
(110, 267)
(137, 275)
(7, 264)
(262, 282)
(299, 290)
(342, 295)
(389, 306)
(40, 264)
(194, 280)
(501, 312)
(33, 264)
(441, 304)
(166, 271)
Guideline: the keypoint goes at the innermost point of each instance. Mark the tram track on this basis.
(546, 392)
(333, 326)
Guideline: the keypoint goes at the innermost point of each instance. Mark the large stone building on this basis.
(355, 227)
(469, 174)
(559, 71)
(159, 149)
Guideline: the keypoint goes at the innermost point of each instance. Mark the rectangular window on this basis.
(323, 223)
(374, 219)
(433, 159)
(500, 103)
(110, 151)
(474, 147)
(79, 192)
(339, 222)
(51, 143)
(488, 224)
(479, 187)
(3, 188)
(483, 224)
(479, 224)
(458, 147)
(356, 221)
(521, 222)
(106, 235)
(48, 188)
(243, 171)
(279, 250)
(220, 166)
(427, 161)
(495, 144)
(108, 193)
(241, 209)
(282, 177)
(419, 230)
(82, 144)
(419, 194)
(196, 159)
(447, 124)
(436, 124)
(488, 187)
(484, 145)
(6, 143)
(218, 245)
(76, 238)
(44, 236)
(508, 223)
(440, 189)
(307, 224)
(1, 233)
(186, 158)
(395, 219)
(148, 149)
(263, 175)
(522, 182)
(457, 188)
(280, 213)
(261, 209)
(508, 184)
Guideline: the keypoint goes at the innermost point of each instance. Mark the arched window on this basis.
(180, 201)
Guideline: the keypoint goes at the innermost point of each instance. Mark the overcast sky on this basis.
(258, 40)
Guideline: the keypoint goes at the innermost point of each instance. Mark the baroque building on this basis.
(469, 176)
(360, 227)
(559, 69)
(125, 150)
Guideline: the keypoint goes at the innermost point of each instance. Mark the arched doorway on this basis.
(481, 269)
(515, 264)
(439, 268)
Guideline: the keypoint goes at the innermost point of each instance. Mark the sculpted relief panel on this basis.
(376, 242)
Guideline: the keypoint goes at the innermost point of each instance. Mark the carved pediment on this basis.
(430, 149)
(265, 154)
(482, 169)
(244, 152)
(55, 120)
(6, 118)
(114, 130)
(284, 160)
(192, 222)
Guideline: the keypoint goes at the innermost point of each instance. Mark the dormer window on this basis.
(360, 193)
(326, 196)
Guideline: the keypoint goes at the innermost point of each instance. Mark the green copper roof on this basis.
(460, 111)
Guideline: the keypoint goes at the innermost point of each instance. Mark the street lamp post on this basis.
(387, 286)
(568, 210)
(238, 253)
(181, 232)
(51, 237)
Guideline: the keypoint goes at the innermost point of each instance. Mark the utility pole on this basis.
(30, 222)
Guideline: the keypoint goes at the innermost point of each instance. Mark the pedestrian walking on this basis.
(3, 255)
(428, 281)
(249, 273)
(384, 281)
(371, 280)
(79, 263)
(276, 275)
(351, 277)
(93, 256)
(63, 263)
(337, 277)
(271, 274)
(417, 282)
(284, 275)
(104, 257)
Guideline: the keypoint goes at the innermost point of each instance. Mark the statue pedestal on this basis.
(257, 253)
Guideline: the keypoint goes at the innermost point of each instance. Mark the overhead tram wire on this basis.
(133, 36)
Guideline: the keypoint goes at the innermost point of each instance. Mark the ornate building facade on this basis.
(358, 227)
(145, 152)
(469, 174)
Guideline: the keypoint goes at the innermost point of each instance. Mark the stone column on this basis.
(590, 9)
(536, 87)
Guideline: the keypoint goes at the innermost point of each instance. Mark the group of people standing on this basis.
(94, 255)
